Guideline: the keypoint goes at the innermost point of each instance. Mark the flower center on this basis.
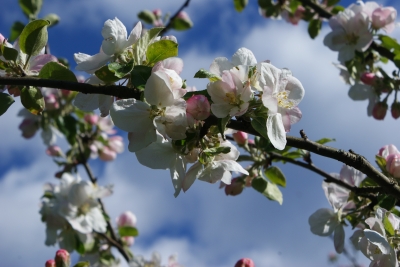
(351, 39)
(155, 112)
(283, 100)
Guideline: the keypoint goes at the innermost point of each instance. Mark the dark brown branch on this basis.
(113, 240)
(169, 25)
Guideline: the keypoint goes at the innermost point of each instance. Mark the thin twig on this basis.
(169, 24)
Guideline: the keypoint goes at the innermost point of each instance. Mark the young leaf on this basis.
(5, 102)
(56, 71)
(54, 19)
(217, 150)
(202, 73)
(139, 76)
(222, 122)
(325, 140)
(332, 2)
(260, 125)
(32, 99)
(270, 190)
(30, 7)
(127, 231)
(240, 4)
(388, 225)
(106, 75)
(381, 161)
(34, 37)
(336, 9)
(140, 47)
(9, 53)
(314, 27)
(275, 175)
(161, 50)
(120, 70)
(147, 16)
(389, 43)
(16, 30)
(82, 264)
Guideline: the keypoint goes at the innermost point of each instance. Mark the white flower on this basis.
(281, 94)
(242, 56)
(376, 247)
(361, 91)
(115, 42)
(350, 32)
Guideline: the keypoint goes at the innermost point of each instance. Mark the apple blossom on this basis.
(235, 188)
(350, 32)
(293, 18)
(114, 44)
(54, 151)
(379, 110)
(62, 258)
(198, 107)
(384, 18)
(127, 219)
(281, 94)
(245, 262)
(388, 150)
(240, 137)
(242, 56)
(393, 165)
(395, 110)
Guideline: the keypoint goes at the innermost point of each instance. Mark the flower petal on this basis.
(276, 131)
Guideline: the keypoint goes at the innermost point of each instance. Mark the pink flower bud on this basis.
(50, 263)
(126, 219)
(198, 106)
(91, 118)
(384, 17)
(245, 262)
(294, 18)
(116, 143)
(157, 12)
(54, 151)
(393, 165)
(368, 78)
(62, 258)
(240, 138)
(379, 110)
(28, 128)
(395, 110)
(65, 93)
(128, 240)
(106, 154)
(235, 188)
(80, 78)
(183, 15)
(388, 150)
(51, 102)
(14, 90)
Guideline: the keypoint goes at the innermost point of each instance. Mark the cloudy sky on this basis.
(203, 226)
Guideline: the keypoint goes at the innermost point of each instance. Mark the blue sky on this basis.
(203, 226)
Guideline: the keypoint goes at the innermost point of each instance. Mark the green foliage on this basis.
(54, 19)
(106, 75)
(269, 190)
(260, 125)
(147, 16)
(82, 264)
(213, 151)
(140, 47)
(332, 2)
(32, 99)
(34, 37)
(325, 140)
(5, 102)
(336, 9)
(180, 24)
(139, 76)
(386, 201)
(31, 8)
(275, 175)
(314, 27)
(240, 4)
(202, 73)
(9, 53)
(293, 5)
(67, 125)
(16, 30)
(161, 50)
(127, 231)
(222, 122)
(388, 225)
(389, 42)
(56, 71)
(381, 162)
(120, 70)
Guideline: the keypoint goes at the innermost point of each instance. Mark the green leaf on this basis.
(32, 99)
(57, 71)
(325, 140)
(161, 50)
(240, 4)
(388, 225)
(396, 60)
(127, 231)
(275, 175)
(389, 43)
(202, 73)
(139, 76)
(217, 150)
(140, 47)
(381, 161)
(82, 264)
(16, 30)
(181, 24)
(30, 7)
(293, 5)
(384, 60)
(120, 70)
(270, 190)
(368, 182)
(5, 102)
(332, 2)
(386, 202)
(34, 37)
(54, 19)
(260, 125)
(106, 75)
(9, 53)
(222, 122)
(265, 3)
(314, 27)
(245, 158)
(336, 9)
(147, 16)
(293, 154)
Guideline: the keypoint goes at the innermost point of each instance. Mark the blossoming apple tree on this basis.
(134, 83)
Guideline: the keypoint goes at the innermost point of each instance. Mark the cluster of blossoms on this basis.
(72, 213)
(325, 221)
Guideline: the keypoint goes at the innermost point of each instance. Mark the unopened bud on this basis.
(245, 262)
(62, 258)
(395, 110)
(235, 188)
(157, 12)
(50, 263)
(379, 110)
(368, 78)
(240, 138)
(182, 22)
(393, 165)
(198, 106)
(147, 16)
(54, 151)
(126, 219)
(91, 118)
